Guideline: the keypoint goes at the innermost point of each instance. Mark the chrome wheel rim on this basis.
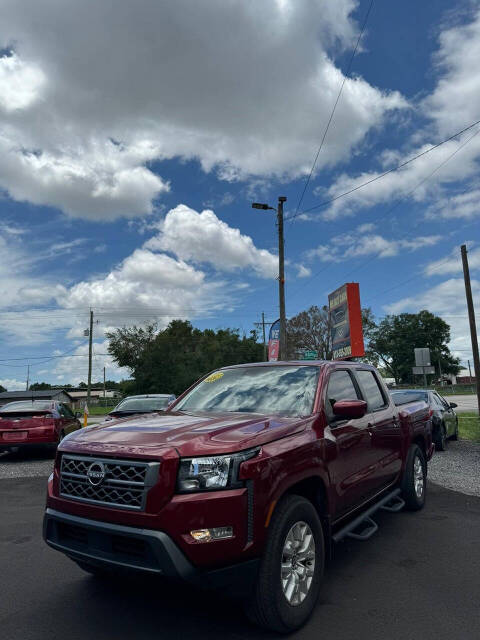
(298, 563)
(418, 479)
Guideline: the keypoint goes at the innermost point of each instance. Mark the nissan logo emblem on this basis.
(96, 473)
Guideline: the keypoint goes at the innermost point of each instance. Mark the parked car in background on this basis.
(245, 482)
(444, 418)
(38, 422)
(133, 405)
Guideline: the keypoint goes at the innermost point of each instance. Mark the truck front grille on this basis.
(123, 484)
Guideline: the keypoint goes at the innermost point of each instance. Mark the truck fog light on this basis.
(208, 535)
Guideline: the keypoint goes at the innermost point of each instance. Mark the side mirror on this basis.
(78, 414)
(453, 405)
(350, 408)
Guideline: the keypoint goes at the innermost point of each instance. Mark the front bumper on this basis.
(130, 548)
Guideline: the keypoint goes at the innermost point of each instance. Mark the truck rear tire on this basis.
(291, 569)
(414, 482)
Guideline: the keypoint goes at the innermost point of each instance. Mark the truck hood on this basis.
(189, 434)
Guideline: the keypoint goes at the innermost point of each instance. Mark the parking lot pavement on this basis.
(465, 403)
(416, 578)
(35, 462)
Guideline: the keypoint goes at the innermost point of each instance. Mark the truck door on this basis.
(349, 464)
(386, 435)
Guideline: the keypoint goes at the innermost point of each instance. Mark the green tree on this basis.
(394, 339)
(40, 386)
(171, 360)
(311, 329)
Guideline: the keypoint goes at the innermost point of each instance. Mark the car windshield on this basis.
(27, 405)
(284, 390)
(403, 397)
(142, 404)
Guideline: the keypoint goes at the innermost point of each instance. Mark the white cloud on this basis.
(172, 80)
(303, 271)
(460, 205)
(11, 384)
(454, 103)
(203, 238)
(74, 369)
(447, 300)
(20, 83)
(354, 245)
(453, 264)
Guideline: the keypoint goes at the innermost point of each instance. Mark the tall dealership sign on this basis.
(274, 341)
(345, 315)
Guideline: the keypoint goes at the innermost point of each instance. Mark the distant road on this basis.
(465, 403)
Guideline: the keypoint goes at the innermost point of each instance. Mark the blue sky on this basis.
(133, 142)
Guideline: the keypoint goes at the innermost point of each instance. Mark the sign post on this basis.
(423, 363)
(345, 317)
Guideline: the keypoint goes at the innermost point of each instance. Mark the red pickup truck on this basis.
(253, 473)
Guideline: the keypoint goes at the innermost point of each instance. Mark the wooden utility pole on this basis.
(104, 394)
(28, 376)
(263, 324)
(471, 318)
(281, 280)
(90, 337)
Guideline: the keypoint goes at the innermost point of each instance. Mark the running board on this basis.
(363, 527)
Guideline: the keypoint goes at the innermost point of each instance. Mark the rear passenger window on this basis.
(371, 390)
(340, 387)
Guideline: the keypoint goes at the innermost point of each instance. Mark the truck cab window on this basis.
(340, 387)
(371, 390)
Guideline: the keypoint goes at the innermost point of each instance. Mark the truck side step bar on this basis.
(363, 527)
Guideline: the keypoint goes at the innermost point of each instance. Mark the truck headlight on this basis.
(212, 473)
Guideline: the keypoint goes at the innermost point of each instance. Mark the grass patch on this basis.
(97, 410)
(469, 426)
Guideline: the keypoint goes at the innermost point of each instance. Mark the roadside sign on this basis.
(345, 317)
(419, 371)
(274, 341)
(309, 355)
(422, 357)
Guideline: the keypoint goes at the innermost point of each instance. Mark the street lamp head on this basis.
(259, 205)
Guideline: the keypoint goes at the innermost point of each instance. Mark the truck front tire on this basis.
(414, 482)
(291, 569)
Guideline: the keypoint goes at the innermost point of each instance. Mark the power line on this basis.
(388, 212)
(347, 73)
(393, 169)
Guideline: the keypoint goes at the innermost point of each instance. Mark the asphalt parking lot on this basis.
(416, 578)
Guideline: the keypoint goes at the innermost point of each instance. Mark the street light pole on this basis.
(281, 272)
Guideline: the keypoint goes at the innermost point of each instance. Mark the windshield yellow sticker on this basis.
(214, 377)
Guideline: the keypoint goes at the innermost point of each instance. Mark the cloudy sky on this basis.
(134, 137)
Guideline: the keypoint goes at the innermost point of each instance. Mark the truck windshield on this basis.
(284, 390)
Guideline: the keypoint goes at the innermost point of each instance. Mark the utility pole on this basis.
(263, 324)
(281, 272)
(28, 376)
(281, 280)
(471, 318)
(440, 368)
(90, 336)
(469, 370)
(104, 394)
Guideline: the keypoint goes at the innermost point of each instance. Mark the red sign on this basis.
(346, 322)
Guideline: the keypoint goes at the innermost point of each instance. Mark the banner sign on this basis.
(345, 315)
(274, 341)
